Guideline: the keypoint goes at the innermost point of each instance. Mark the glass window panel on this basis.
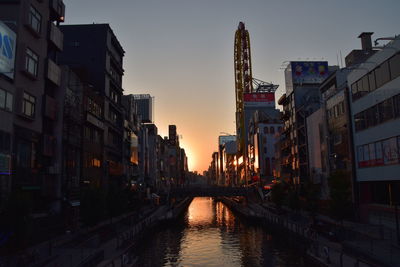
(9, 102)
(35, 19)
(354, 90)
(396, 105)
(386, 110)
(2, 99)
(390, 151)
(394, 63)
(382, 74)
(378, 153)
(372, 155)
(365, 85)
(366, 153)
(371, 79)
(360, 154)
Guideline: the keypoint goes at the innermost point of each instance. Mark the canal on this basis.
(209, 234)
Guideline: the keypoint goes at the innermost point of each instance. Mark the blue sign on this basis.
(309, 72)
(7, 50)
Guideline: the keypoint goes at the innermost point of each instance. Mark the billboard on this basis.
(309, 72)
(7, 50)
(259, 100)
(223, 139)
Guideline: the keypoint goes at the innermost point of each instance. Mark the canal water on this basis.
(209, 234)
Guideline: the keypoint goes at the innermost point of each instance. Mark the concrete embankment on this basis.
(319, 251)
(118, 252)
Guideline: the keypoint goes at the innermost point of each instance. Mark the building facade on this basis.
(375, 117)
(95, 48)
(30, 79)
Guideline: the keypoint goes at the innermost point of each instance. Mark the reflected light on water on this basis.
(200, 212)
(211, 235)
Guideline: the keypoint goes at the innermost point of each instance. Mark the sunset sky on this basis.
(181, 51)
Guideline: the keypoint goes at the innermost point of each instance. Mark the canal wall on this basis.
(318, 250)
(118, 252)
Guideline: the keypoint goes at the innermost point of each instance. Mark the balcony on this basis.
(57, 9)
(56, 36)
(53, 72)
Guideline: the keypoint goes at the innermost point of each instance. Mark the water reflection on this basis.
(210, 235)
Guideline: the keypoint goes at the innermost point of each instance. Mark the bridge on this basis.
(211, 191)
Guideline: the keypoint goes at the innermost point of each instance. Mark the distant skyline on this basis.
(181, 51)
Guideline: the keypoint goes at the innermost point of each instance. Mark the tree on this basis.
(341, 206)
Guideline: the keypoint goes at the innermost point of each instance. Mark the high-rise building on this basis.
(30, 86)
(263, 133)
(96, 49)
(301, 99)
(145, 107)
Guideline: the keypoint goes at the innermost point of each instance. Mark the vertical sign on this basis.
(7, 50)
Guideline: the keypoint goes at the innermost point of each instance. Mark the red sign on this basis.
(259, 99)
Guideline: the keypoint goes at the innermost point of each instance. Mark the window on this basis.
(114, 96)
(372, 154)
(371, 79)
(31, 62)
(363, 86)
(113, 116)
(272, 130)
(366, 154)
(90, 160)
(341, 107)
(378, 153)
(396, 105)
(386, 110)
(279, 129)
(360, 154)
(390, 151)
(28, 105)
(382, 74)
(354, 90)
(336, 111)
(371, 116)
(337, 138)
(35, 19)
(265, 130)
(394, 63)
(5, 141)
(26, 154)
(94, 108)
(359, 121)
(6, 100)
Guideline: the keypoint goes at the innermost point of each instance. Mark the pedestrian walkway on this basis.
(340, 244)
(72, 249)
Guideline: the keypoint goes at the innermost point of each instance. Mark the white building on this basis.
(375, 116)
